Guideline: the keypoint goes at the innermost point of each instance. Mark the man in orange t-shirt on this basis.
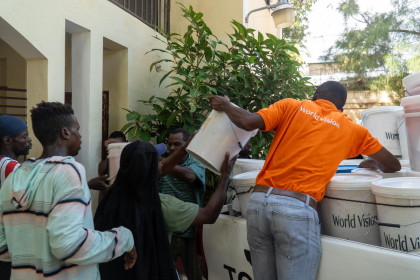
(311, 139)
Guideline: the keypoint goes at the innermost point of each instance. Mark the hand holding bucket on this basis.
(217, 135)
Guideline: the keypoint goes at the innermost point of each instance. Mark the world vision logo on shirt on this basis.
(318, 117)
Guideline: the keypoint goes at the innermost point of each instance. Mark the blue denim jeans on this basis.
(283, 236)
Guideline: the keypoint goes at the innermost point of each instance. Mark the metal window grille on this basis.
(152, 12)
(13, 102)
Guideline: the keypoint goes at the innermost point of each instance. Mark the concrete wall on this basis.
(12, 75)
(62, 43)
(218, 15)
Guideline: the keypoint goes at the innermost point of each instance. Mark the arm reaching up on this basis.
(209, 214)
(240, 117)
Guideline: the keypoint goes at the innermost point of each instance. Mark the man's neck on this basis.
(53, 150)
(183, 159)
(8, 153)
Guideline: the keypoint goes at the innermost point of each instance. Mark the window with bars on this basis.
(152, 12)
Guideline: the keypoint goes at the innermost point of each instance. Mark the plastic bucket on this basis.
(345, 168)
(244, 185)
(411, 104)
(114, 154)
(411, 173)
(243, 165)
(401, 130)
(411, 81)
(380, 121)
(399, 204)
(351, 162)
(341, 208)
(401, 173)
(405, 163)
(412, 122)
(413, 91)
(217, 136)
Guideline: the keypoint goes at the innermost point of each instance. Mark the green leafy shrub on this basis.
(253, 71)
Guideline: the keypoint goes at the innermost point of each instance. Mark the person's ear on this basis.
(315, 96)
(7, 140)
(65, 133)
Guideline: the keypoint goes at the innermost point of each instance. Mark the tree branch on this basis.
(412, 32)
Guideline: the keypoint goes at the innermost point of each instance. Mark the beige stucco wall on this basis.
(13, 75)
(15, 67)
(218, 15)
(43, 24)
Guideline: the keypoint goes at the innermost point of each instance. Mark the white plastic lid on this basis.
(248, 161)
(410, 100)
(379, 109)
(367, 171)
(245, 179)
(351, 162)
(399, 113)
(352, 181)
(405, 162)
(413, 173)
(408, 187)
(408, 80)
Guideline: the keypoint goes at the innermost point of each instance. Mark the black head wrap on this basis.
(133, 202)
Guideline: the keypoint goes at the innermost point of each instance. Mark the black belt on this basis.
(300, 196)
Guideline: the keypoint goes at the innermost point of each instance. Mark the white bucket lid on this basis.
(249, 161)
(410, 100)
(402, 187)
(410, 79)
(365, 171)
(405, 162)
(412, 173)
(399, 113)
(413, 91)
(246, 179)
(379, 109)
(351, 162)
(352, 181)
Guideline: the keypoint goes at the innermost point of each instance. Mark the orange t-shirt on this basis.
(311, 139)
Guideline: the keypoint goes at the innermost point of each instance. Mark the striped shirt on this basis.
(184, 191)
(7, 165)
(46, 226)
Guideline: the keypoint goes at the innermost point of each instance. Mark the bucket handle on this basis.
(236, 136)
(378, 222)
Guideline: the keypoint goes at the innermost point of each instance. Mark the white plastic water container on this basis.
(244, 185)
(411, 106)
(399, 204)
(411, 173)
(413, 91)
(243, 165)
(380, 121)
(217, 135)
(401, 173)
(351, 162)
(402, 134)
(411, 81)
(114, 154)
(341, 208)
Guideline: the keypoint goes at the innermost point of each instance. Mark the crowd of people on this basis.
(148, 217)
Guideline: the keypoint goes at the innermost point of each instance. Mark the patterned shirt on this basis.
(46, 226)
(186, 191)
(7, 165)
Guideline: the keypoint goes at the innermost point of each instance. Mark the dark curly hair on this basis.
(48, 118)
(185, 133)
(333, 92)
